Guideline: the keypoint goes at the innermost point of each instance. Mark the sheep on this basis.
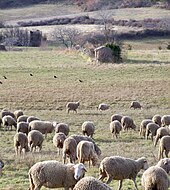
(53, 174)
(127, 123)
(22, 118)
(58, 140)
(157, 119)
(43, 126)
(18, 113)
(164, 145)
(90, 183)
(79, 138)
(135, 105)
(165, 120)
(5, 112)
(88, 128)
(35, 139)
(32, 118)
(151, 128)
(72, 106)
(115, 128)
(143, 125)
(116, 117)
(103, 106)
(69, 150)
(22, 127)
(86, 152)
(62, 127)
(9, 121)
(162, 131)
(20, 143)
(119, 168)
(155, 177)
(1, 166)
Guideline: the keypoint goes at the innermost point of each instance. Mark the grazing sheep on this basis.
(120, 168)
(165, 120)
(32, 118)
(103, 106)
(69, 150)
(58, 140)
(143, 126)
(86, 152)
(162, 131)
(88, 128)
(90, 183)
(157, 119)
(155, 177)
(116, 117)
(72, 106)
(9, 121)
(135, 105)
(127, 123)
(22, 118)
(22, 127)
(43, 126)
(115, 128)
(5, 112)
(20, 143)
(18, 113)
(62, 127)
(53, 174)
(35, 139)
(79, 138)
(164, 145)
(151, 128)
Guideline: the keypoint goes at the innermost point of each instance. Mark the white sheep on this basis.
(20, 143)
(72, 106)
(115, 128)
(88, 128)
(9, 121)
(135, 105)
(35, 139)
(53, 174)
(32, 118)
(18, 113)
(165, 164)
(165, 120)
(157, 119)
(120, 168)
(86, 152)
(90, 183)
(22, 118)
(164, 146)
(62, 127)
(162, 131)
(22, 127)
(143, 125)
(151, 128)
(116, 117)
(58, 140)
(128, 123)
(103, 106)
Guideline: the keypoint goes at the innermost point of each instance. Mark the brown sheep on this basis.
(115, 128)
(58, 140)
(143, 126)
(88, 128)
(128, 123)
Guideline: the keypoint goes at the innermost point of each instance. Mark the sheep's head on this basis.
(165, 164)
(79, 171)
(144, 163)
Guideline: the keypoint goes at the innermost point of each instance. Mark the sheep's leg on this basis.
(16, 151)
(135, 184)
(166, 153)
(109, 179)
(120, 184)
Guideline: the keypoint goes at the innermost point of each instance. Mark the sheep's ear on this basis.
(165, 162)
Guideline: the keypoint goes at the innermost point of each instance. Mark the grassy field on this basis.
(143, 77)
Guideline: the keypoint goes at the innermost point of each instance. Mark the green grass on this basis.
(44, 96)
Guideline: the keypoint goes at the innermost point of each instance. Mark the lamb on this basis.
(18, 113)
(115, 128)
(43, 126)
(35, 139)
(135, 105)
(90, 183)
(20, 143)
(79, 138)
(157, 119)
(103, 106)
(143, 126)
(86, 152)
(165, 120)
(72, 106)
(9, 121)
(120, 168)
(127, 123)
(58, 140)
(88, 128)
(116, 117)
(155, 177)
(69, 150)
(22, 118)
(151, 128)
(32, 118)
(164, 145)
(162, 131)
(53, 174)
(62, 127)
(22, 127)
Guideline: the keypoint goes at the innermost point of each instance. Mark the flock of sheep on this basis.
(78, 149)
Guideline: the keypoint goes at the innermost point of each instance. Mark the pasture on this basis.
(143, 77)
